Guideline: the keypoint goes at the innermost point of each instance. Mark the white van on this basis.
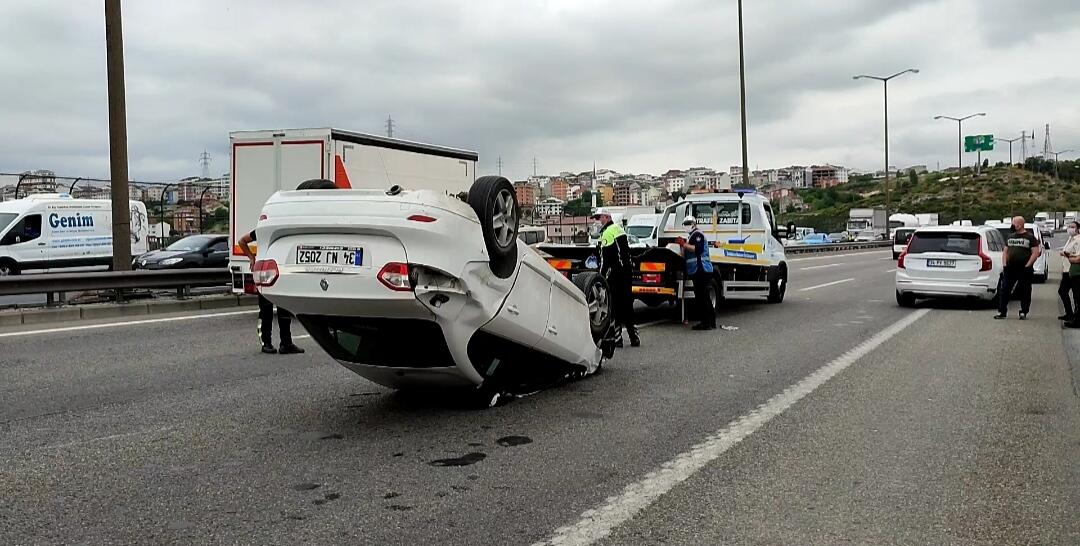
(53, 232)
(643, 226)
(264, 162)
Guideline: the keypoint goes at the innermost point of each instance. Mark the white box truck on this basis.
(52, 232)
(264, 162)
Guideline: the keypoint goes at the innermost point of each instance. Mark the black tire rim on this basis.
(504, 219)
(597, 297)
(714, 296)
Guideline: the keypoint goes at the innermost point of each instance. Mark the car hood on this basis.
(156, 256)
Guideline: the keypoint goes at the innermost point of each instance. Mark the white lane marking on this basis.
(831, 256)
(817, 267)
(893, 270)
(597, 523)
(826, 284)
(126, 323)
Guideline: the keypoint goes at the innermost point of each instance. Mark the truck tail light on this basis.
(653, 267)
(265, 272)
(395, 276)
(561, 265)
(650, 278)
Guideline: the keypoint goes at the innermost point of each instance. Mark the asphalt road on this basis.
(833, 418)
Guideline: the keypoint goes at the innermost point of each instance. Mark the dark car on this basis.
(191, 251)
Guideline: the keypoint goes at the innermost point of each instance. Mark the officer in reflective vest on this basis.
(700, 269)
(618, 267)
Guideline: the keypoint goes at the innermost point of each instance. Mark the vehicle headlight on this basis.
(170, 261)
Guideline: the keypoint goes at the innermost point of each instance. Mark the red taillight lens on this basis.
(650, 278)
(900, 261)
(421, 218)
(395, 276)
(265, 272)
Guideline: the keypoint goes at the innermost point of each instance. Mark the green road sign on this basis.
(977, 143)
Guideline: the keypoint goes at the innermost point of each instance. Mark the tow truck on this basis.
(745, 247)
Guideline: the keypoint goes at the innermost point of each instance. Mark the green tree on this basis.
(913, 178)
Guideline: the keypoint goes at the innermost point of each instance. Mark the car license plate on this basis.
(343, 256)
(941, 263)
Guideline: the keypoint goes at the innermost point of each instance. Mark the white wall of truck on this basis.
(264, 162)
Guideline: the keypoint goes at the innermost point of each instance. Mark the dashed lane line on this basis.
(597, 523)
(815, 287)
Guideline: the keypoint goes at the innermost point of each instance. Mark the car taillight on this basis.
(650, 278)
(653, 266)
(900, 261)
(395, 276)
(561, 265)
(265, 272)
(987, 264)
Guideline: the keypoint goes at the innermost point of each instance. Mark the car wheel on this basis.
(778, 287)
(895, 256)
(905, 299)
(714, 295)
(8, 268)
(495, 203)
(598, 296)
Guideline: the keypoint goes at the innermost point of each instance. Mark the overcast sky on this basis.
(634, 85)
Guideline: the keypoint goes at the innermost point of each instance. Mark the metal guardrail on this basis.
(836, 247)
(52, 284)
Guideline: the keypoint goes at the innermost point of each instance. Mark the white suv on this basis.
(950, 261)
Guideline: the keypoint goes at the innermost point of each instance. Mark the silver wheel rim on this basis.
(5, 271)
(598, 304)
(504, 219)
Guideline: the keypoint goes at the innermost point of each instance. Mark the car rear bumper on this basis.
(980, 287)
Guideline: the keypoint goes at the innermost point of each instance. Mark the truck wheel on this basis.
(598, 295)
(778, 287)
(8, 268)
(495, 203)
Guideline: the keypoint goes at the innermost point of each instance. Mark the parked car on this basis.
(417, 289)
(901, 236)
(1041, 265)
(868, 236)
(839, 237)
(191, 251)
(817, 239)
(950, 261)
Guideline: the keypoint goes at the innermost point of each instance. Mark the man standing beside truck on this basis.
(619, 266)
(700, 269)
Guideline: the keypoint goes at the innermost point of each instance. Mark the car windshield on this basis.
(945, 241)
(5, 220)
(640, 231)
(190, 244)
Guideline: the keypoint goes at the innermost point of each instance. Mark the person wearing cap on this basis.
(700, 269)
(618, 266)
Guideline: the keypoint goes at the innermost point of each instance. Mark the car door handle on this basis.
(513, 310)
(41, 244)
(554, 331)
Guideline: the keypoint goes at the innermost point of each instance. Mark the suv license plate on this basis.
(941, 263)
(341, 256)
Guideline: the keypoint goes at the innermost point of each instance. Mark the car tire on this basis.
(8, 268)
(597, 293)
(905, 299)
(778, 287)
(495, 203)
(1040, 279)
(895, 256)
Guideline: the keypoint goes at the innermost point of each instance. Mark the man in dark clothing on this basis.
(699, 269)
(618, 267)
(266, 312)
(1021, 251)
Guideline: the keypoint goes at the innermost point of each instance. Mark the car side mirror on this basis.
(780, 232)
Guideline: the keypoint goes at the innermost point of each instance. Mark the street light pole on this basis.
(742, 101)
(960, 157)
(885, 85)
(118, 157)
(1008, 172)
(1056, 154)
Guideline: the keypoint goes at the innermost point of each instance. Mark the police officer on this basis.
(699, 268)
(618, 266)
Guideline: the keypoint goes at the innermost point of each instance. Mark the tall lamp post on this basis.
(742, 101)
(1056, 154)
(960, 156)
(885, 84)
(1008, 172)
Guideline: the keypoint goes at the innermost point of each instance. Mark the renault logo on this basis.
(324, 285)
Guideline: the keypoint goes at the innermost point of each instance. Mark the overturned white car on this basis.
(420, 289)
